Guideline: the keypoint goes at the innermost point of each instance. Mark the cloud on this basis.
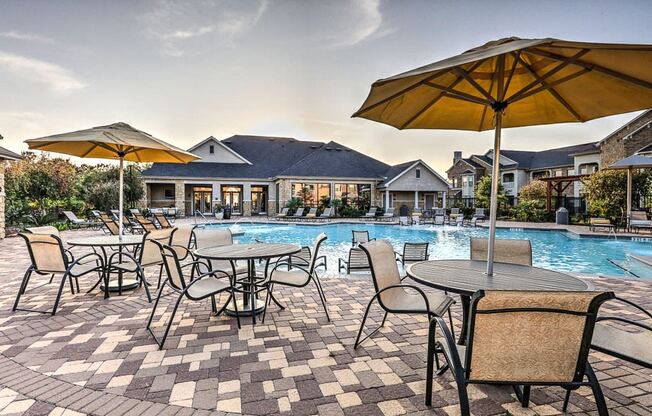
(368, 23)
(57, 78)
(179, 25)
(30, 37)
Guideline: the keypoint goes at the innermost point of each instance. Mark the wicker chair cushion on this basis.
(505, 251)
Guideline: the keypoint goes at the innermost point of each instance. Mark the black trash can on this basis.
(403, 210)
(562, 216)
(227, 213)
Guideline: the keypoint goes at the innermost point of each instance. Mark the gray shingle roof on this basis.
(396, 170)
(8, 154)
(562, 156)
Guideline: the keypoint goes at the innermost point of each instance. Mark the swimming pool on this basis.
(551, 249)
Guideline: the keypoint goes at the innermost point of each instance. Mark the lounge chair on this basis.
(638, 221)
(162, 220)
(146, 224)
(521, 338)
(49, 257)
(297, 215)
(455, 213)
(479, 214)
(215, 237)
(392, 294)
(297, 276)
(388, 215)
(191, 287)
(148, 254)
(371, 213)
(505, 251)
(600, 223)
(110, 224)
(359, 237)
(76, 222)
(170, 214)
(356, 261)
(326, 214)
(311, 215)
(439, 219)
(134, 211)
(413, 252)
(282, 214)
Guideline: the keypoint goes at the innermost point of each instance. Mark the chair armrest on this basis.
(634, 305)
(124, 254)
(454, 360)
(624, 320)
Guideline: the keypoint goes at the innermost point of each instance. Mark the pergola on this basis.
(558, 184)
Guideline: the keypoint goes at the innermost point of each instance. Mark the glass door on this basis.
(258, 199)
(232, 197)
(202, 197)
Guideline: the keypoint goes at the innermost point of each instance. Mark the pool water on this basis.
(550, 249)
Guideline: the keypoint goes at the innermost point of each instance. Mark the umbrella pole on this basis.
(493, 206)
(629, 194)
(121, 190)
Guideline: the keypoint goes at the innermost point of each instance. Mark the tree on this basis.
(534, 191)
(305, 194)
(483, 192)
(606, 191)
(532, 202)
(99, 185)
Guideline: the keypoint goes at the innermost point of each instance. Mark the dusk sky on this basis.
(185, 70)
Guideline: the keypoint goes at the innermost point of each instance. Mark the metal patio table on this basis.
(465, 277)
(250, 305)
(100, 244)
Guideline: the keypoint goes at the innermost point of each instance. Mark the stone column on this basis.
(416, 199)
(246, 200)
(180, 198)
(443, 199)
(386, 199)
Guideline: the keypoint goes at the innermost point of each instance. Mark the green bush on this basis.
(530, 210)
(293, 204)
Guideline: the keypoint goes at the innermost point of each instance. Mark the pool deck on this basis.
(95, 357)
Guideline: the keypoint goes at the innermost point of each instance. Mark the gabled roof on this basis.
(469, 161)
(640, 117)
(8, 154)
(397, 171)
(561, 156)
(219, 143)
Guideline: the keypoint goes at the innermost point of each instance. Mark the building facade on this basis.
(258, 175)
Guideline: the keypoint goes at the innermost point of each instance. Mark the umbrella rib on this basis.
(551, 85)
(459, 94)
(90, 150)
(594, 67)
(539, 79)
(473, 83)
(486, 108)
(517, 56)
(547, 87)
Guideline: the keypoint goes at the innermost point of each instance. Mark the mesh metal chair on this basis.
(360, 237)
(162, 220)
(357, 260)
(215, 237)
(413, 252)
(480, 214)
(298, 214)
(147, 255)
(297, 276)
(144, 222)
(49, 257)
(388, 215)
(110, 224)
(183, 241)
(191, 287)
(76, 222)
(505, 251)
(521, 338)
(311, 215)
(303, 259)
(371, 213)
(395, 296)
(282, 214)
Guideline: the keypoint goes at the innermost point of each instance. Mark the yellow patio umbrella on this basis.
(515, 82)
(117, 141)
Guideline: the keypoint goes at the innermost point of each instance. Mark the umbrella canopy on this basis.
(115, 141)
(630, 163)
(515, 82)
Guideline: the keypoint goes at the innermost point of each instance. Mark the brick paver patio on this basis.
(95, 357)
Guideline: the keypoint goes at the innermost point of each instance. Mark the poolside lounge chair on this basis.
(388, 215)
(326, 214)
(413, 252)
(356, 261)
(134, 211)
(439, 219)
(49, 257)
(190, 287)
(311, 215)
(392, 293)
(371, 213)
(148, 254)
(521, 338)
(303, 259)
(297, 215)
(638, 221)
(162, 220)
(297, 277)
(359, 237)
(479, 214)
(282, 214)
(600, 223)
(76, 222)
(505, 251)
(170, 214)
(146, 224)
(215, 237)
(110, 224)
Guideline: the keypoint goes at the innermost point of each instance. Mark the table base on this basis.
(245, 310)
(127, 284)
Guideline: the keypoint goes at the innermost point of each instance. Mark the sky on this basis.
(186, 70)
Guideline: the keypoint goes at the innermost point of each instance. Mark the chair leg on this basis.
(235, 306)
(525, 401)
(359, 341)
(151, 316)
(597, 391)
(322, 297)
(450, 319)
(268, 300)
(23, 287)
(432, 354)
(160, 275)
(58, 298)
(167, 329)
(141, 276)
(213, 305)
(566, 399)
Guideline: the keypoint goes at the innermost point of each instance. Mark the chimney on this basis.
(457, 155)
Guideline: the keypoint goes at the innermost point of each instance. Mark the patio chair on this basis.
(388, 215)
(356, 261)
(297, 276)
(395, 296)
(439, 219)
(359, 237)
(76, 222)
(638, 221)
(215, 237)
(479, 214)
(413, 252)
(326, 214)
(144, 222)
(600, 223)
(191, 287)
(147, 255)
(162, 220)
(282, 214)
(521, 338)
(371, 213)
(183, 241)
(110, 224)
(311, 215)
(48, 257)
(505, 251)
(170, 215)
(134, 211)
(298, 214)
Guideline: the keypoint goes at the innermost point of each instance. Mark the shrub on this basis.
(293, 204)
(483, 192)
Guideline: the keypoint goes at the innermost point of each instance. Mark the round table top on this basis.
(107, 241)
(247, 251)
(466, 277)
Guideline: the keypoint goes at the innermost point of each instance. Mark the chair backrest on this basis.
(150, 253)
(315, 250)
(505, 251)
(134, 211)
(162, 220)
(389, 212)
(172, 266)
(384, 269)
(284, 211)
(455, 211)
(372, 211)
(144, 222)
(70, 216)
(439, 219)
(415, 251)
(182, 238)
(213, 237)
(96, 213)
(599, 221)
(45, 229)
(530, 336)
(440, 211)
(479, 212)
(359, 237)
(638, 215)
(110, 224)
(299, 212)
(115, 213)
(326, 212)
(312, 212)
(46, 252)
